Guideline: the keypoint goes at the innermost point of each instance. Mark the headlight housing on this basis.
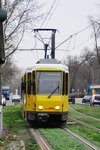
(40, 107)
(57, 107)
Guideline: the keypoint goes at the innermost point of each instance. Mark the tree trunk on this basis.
(0, 83)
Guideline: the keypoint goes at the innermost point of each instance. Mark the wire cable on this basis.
(48, 13)
(52, 12)
(41, 38)
(64, 41)
(67, 48)
(73, 35)
(76, 34)
(36, 50)
(79, 45)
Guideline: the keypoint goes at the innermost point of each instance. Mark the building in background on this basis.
(95, 89)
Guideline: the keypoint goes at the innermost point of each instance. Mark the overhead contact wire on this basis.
(48, 13)
(52, 12)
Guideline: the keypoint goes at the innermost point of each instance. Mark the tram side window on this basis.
(29, 83)
(66, 84)
(34, 85)
(63, 89)
(24, 84)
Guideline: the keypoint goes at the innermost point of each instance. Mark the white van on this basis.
(95, 99)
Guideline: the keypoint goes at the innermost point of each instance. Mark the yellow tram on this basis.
(45, 92)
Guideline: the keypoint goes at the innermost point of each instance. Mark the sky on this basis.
(68, 17)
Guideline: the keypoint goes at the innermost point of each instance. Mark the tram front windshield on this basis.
(49, 83)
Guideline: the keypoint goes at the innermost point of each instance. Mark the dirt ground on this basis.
(23, 140)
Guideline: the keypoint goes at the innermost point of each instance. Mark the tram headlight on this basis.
(57, 107)
(40, 107)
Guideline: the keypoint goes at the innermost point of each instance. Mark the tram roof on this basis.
(55, 66)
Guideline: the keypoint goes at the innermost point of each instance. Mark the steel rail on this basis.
(84, 114)
(40, 140)
(84, 141)
(85, 124)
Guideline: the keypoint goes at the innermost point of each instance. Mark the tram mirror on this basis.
(23, 86)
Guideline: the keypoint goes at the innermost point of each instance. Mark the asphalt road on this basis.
(78, 100)
(9, 102)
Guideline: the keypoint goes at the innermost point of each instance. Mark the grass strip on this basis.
(84, 119)
(87, 133)
(92, 111)
(60, 140)
(16, 130)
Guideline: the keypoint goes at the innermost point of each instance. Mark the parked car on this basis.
(3, 101)
(72, 99)
(86, 99)
(16, 98)
(95, 99)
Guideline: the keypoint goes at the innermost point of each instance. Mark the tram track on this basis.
(44, 145)
(81, 139)
(96, 119)
(40, 139)
(83, 123)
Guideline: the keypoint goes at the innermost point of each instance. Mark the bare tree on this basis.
(96, 33)
(22, 16)
(80, 69)
(73, 64)
(8, 71)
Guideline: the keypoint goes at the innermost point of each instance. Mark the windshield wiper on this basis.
(53, 91)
